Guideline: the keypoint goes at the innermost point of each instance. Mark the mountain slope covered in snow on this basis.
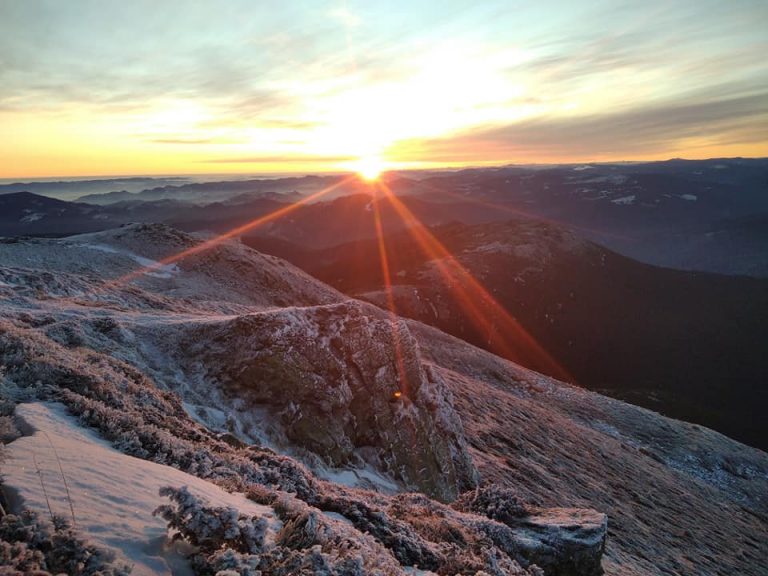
(241, 370)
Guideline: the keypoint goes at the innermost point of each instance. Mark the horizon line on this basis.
(7, 181)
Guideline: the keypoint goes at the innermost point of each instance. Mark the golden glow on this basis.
(413, 123)
(370, 168)
(430, 100)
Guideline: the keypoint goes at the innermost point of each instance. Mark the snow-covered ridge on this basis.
(153, 267)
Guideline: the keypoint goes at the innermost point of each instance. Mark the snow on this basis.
(364, 477)
(33, 217)
(609, 178)
(625, 200)
(248, 423)
(416, 572)
(690, 197)
(154, 267)
(113, 495)
(580, 168)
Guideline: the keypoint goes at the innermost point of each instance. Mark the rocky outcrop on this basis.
(348, 384)
(563, 541)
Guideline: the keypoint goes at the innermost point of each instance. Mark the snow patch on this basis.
(248, 423)
(609, 178)
(154, 268)
(366, 477)
(689, 197)
(113, 495)
(32, 217)
(625, 200)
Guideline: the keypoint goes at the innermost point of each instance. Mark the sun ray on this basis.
(394, 320)
(503, 333)
(208, 244)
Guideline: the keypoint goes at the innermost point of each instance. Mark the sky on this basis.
(106, 87)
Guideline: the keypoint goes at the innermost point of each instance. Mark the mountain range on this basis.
(705, 215)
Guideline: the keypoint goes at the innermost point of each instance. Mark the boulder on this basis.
(562, 541)
(348, 384)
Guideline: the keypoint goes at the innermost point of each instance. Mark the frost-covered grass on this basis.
(104, 487)
(120, 359)
(152, 267)
(30, 546)
(133, 417)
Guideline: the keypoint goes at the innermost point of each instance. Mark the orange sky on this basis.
(176, 88)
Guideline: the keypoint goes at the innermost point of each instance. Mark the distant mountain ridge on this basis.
(71, 189)
(703, 215)
(207, 192)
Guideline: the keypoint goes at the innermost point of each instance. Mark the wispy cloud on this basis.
(632, 133)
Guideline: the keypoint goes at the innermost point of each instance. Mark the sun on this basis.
(370, 168)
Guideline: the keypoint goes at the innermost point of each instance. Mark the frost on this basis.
(153, 267)
(106, 488)
(29, 545)
(624, 200)
(32, 217)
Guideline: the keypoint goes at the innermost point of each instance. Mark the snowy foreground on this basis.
(113, 495)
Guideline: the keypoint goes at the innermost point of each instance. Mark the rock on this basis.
(347, 383)
(563, 541)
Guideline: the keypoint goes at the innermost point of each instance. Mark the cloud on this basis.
(634, 79)
(649, 129)
(282, 159)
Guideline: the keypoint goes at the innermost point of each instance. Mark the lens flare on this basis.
(208, 244)
(394, 320)
(502, 333)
